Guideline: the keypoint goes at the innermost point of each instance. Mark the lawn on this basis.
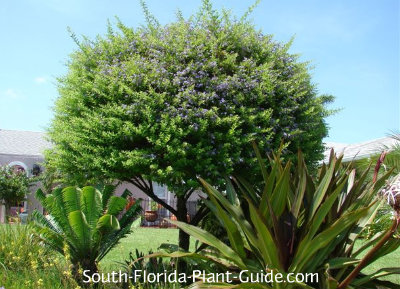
(145, 239)
(389, 261)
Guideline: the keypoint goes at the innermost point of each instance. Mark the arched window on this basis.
(19, 167)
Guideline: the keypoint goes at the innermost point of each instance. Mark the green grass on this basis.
(388, 261)
(142, 239)
(145, 239)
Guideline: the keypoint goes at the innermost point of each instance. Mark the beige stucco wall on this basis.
(2, 213)
(29, 161)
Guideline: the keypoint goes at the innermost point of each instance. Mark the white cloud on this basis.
(40, 79)
(9, 93)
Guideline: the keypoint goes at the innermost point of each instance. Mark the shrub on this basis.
(13, 187)
(153, 265)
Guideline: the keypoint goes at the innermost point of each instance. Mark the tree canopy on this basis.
(173, 102)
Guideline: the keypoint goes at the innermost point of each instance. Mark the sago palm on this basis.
(84, 223)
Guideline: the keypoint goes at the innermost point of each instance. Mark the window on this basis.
(160, 190)
(19, 167)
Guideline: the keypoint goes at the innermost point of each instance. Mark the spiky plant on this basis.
(295, 223)
(84, 223)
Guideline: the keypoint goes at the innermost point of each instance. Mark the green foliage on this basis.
(381, 223)
(153, 265)
(172, 102)
(19, 249)
(391, 161)
(50, 178)
(79, 228)
(26, 264)
(297, 224)
(153, 206)
(14, 186)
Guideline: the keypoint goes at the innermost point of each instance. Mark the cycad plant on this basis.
(84, 223)
(296, 223)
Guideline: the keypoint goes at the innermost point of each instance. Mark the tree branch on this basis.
(148, 190)
(147, 185)
(188, 194)
(201, 213)
(134, 181)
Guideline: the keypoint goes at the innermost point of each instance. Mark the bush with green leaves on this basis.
(84, 224)
(14, 186)
(167, 103)
(298, 224)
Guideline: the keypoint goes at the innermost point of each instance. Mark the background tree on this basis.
(14, 186)
(167, 103)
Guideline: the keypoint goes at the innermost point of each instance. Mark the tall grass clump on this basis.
(26, 264)
(19, 249)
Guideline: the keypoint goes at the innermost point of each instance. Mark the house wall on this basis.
(2, 213)
(28, 161)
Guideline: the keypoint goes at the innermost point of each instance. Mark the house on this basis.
(24, 151)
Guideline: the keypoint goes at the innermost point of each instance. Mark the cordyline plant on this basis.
(84, 224)
(298, 224)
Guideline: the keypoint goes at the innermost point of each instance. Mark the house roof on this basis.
(14, 142)
(359, 150)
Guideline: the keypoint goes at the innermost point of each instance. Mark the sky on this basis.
(353, 47)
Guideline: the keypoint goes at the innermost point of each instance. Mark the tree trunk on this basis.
(7, 212)
(181, 216)
(85, 264)
(184, 238)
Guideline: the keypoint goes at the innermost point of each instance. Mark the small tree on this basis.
(170, 103)
(14, 186)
